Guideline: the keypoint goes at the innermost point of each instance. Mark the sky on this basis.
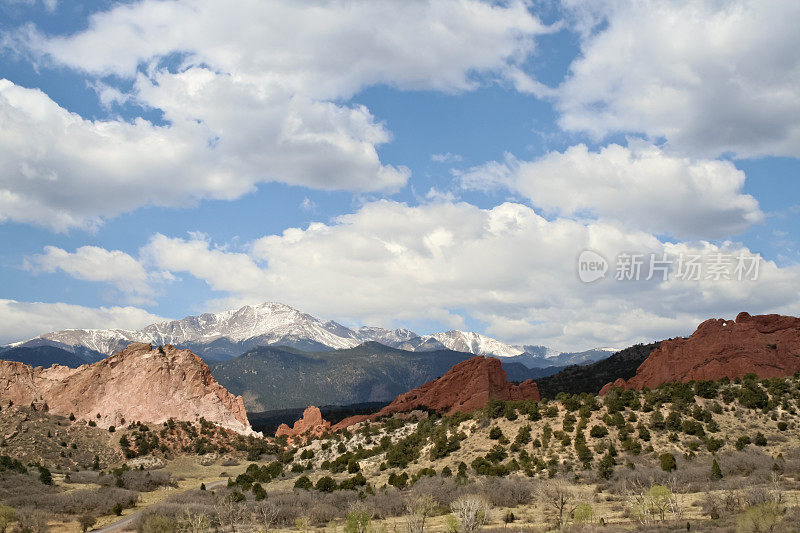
(572, 174)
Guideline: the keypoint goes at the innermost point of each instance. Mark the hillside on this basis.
(765, 345)
(270, 378)
(139, 383)
(592, 377)
(43, 356)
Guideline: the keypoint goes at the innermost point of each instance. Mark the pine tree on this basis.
(716, 471)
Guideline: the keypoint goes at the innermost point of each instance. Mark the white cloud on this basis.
(710, 77)
(49, 5)
(92, 263)
(639, 185)
(446, 158)
(62, 171)
(25, 320)
(506, 266)
(320, 49)
(257, 96)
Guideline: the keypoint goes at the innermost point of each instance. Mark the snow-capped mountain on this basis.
(227, 334)
(470, 342)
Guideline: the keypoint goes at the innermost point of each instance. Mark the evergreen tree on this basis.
(716, 471)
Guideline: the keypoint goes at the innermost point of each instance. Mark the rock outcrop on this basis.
(467, 386)
(139, 383)
(765, 345)
(311, 424)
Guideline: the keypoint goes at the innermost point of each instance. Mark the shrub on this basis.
(606, 466)
(7, 516)
(760, 439)
(156, 523)
(583, 513)
(303, 483)
(716, 471)
(752, 395)
(471, 512)
(400, 480)
(45, 476)
(598, 431)
(495, 433)
(326, 484)
(358, 520)
(668, 463)
(763, 517)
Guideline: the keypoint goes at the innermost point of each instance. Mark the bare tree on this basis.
(267, 514)
(560, 499)
(472, 511)
(230, 513)
(33, 521)
(86, 521)
(195, 522)
(419, 509)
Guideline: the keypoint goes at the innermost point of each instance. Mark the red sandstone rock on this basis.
(310, 424)
(139, 383)
(765, 345)
(467, 386)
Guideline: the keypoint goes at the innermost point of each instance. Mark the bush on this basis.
(495, 433)
(668, 463)
(326, 484)
(598, 432)
(7, 516)
(583, 513)
(303, 483)
(716, 471)
(760, 439)
(764, 517)
(156, 523)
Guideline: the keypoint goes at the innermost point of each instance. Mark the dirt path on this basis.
(127, 521)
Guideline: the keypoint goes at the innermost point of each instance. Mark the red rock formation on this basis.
(310, 424)
(765, 345)
(467, 386)
(138, 383)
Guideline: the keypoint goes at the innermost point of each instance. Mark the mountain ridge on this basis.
(228, 334)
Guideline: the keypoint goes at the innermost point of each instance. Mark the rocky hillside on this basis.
(139, 383)
(272, 378)
(592, 377)
(765, 345)
(467, 386)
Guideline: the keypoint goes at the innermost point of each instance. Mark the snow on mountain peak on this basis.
(273, 323)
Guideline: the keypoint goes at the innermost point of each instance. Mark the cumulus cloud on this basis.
(710, 77)
(254, 92)
(25, 320)
(506, 266)
(62, 171)
(639, 185)
(92, 263)
(321, 49)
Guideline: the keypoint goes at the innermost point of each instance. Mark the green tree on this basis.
(668, 463)
(303, 483)
(45, 476)
(326, 484)
(716, 471)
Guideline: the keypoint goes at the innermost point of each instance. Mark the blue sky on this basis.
(431, 165)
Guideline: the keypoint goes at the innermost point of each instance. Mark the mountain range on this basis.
(228, 334)
(277, 377)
